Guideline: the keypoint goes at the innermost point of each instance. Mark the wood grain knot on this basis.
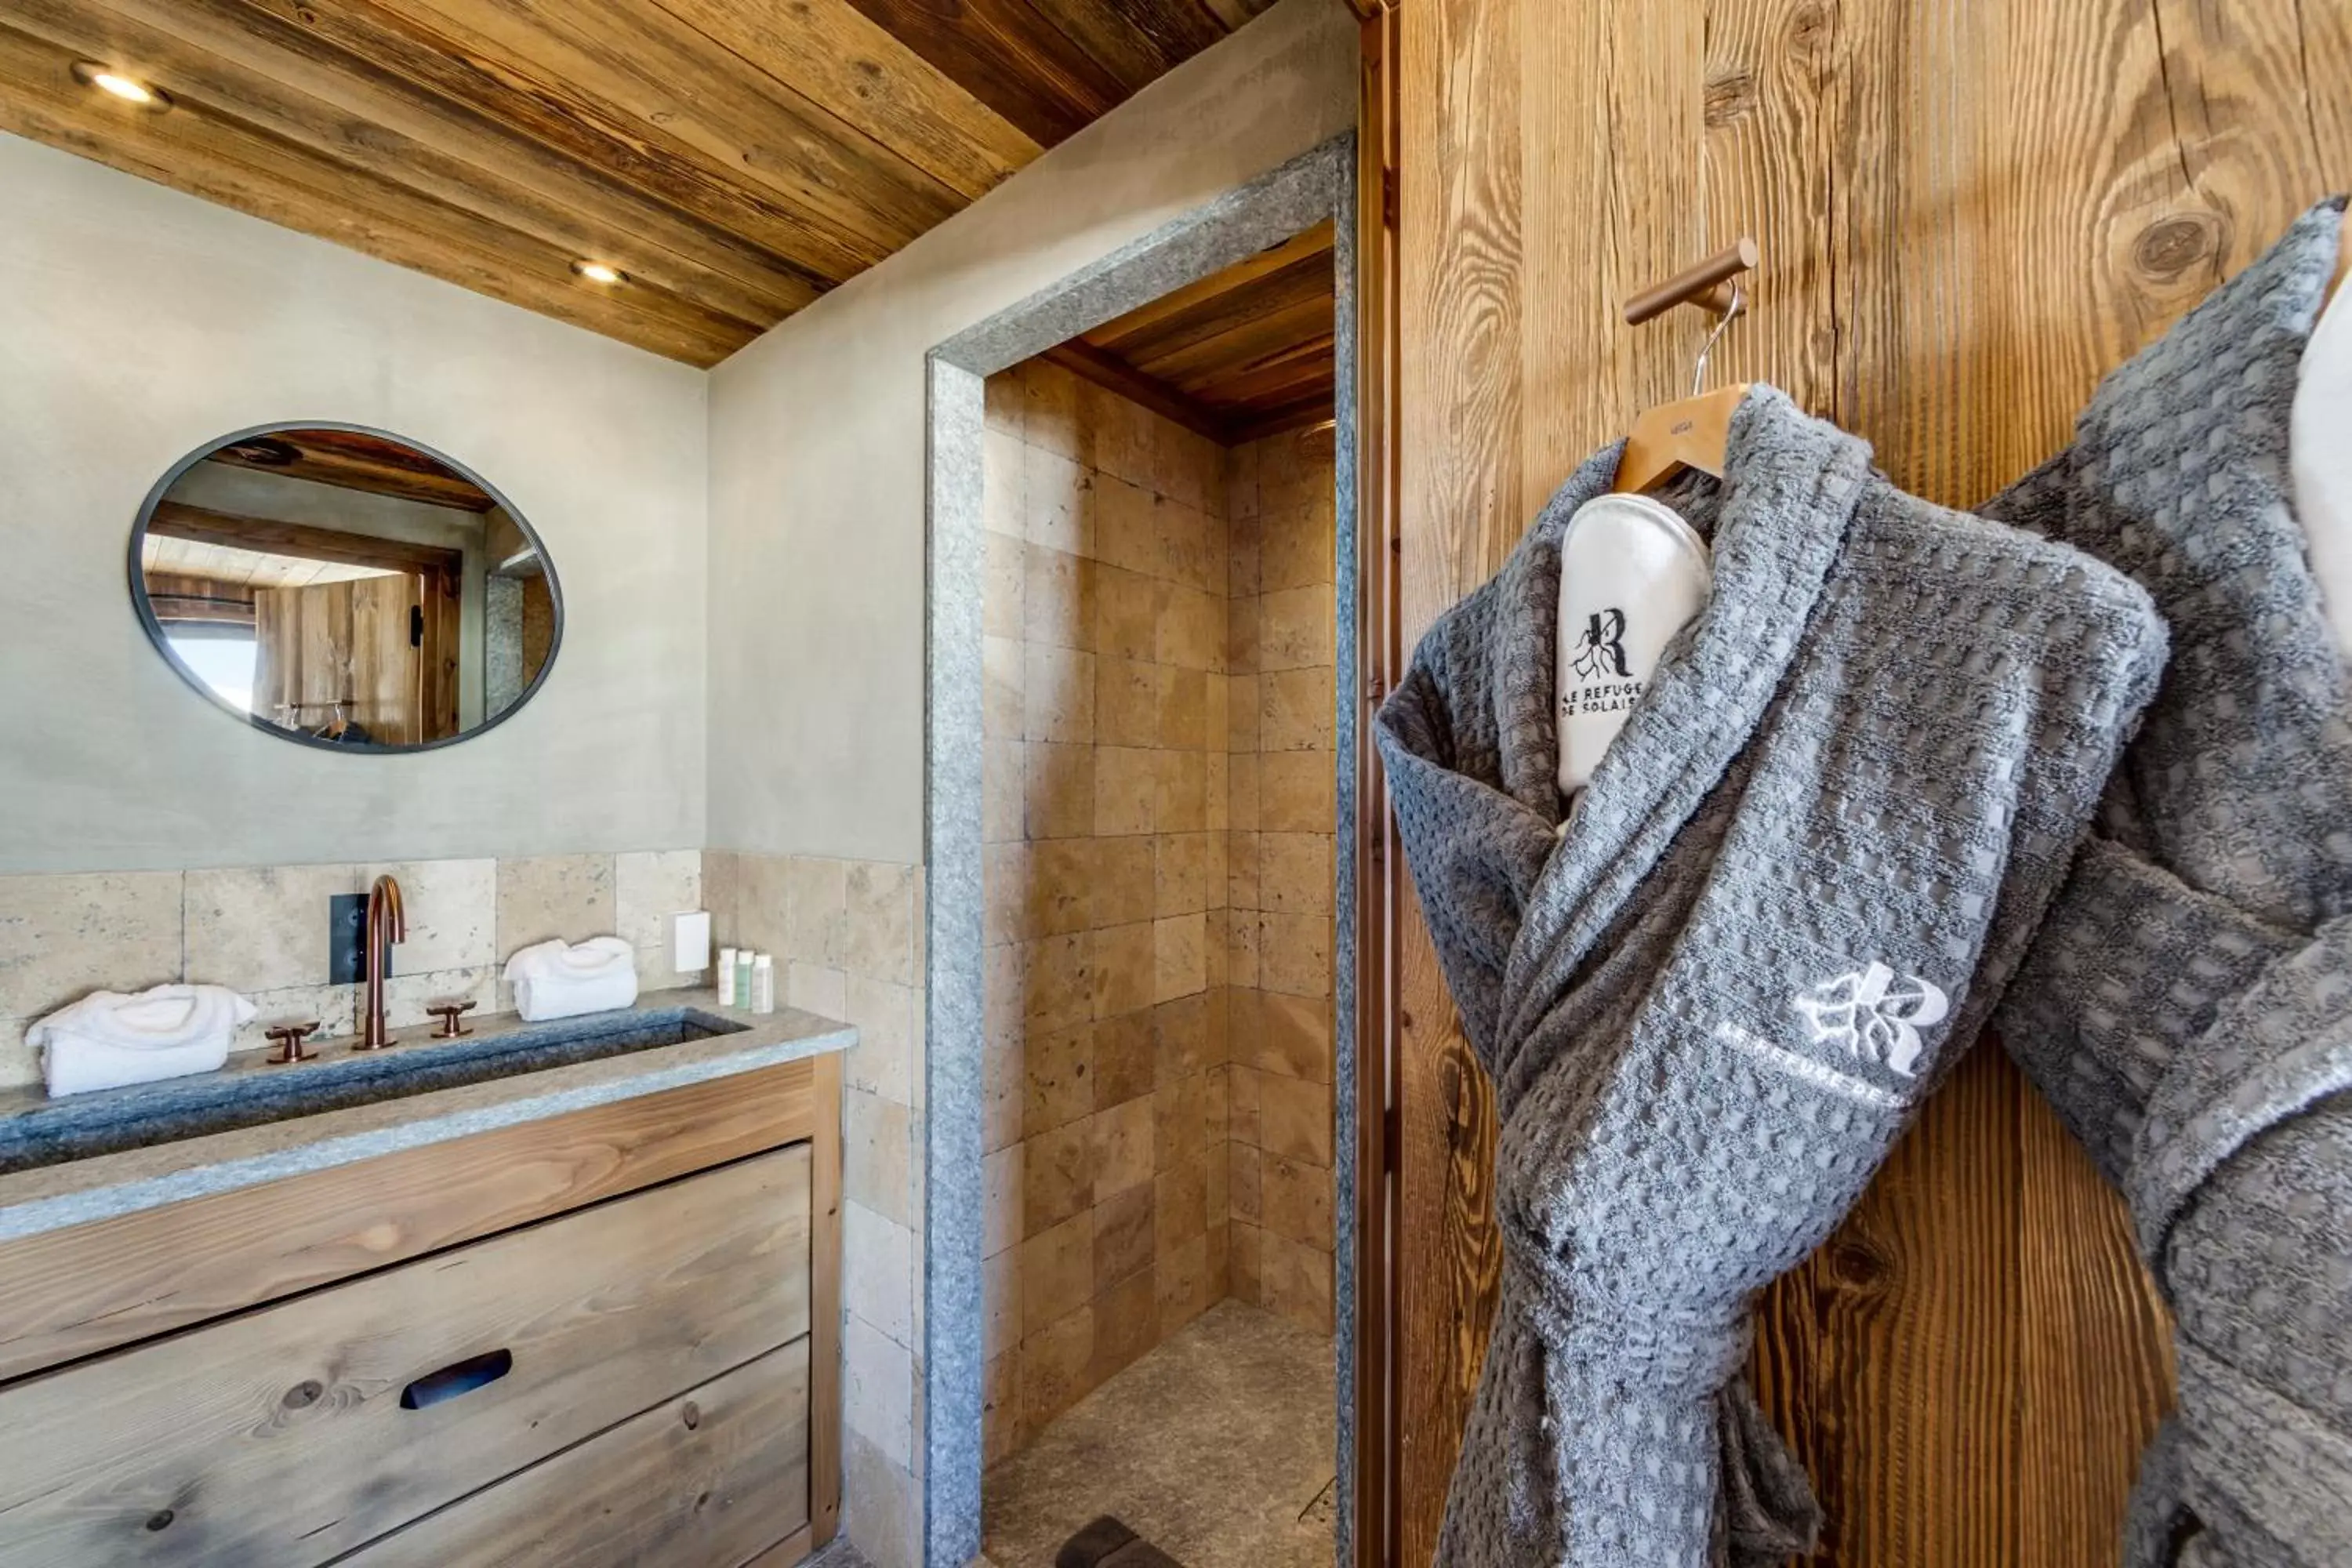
(2171, 247)
(160, 1519)
(303, 1395)
(1857, 1267)
(1810, 31)
(1729, 96)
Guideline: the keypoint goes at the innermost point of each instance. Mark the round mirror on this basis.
(345, 588)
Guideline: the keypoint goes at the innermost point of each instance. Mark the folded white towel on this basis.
(108, 1040)
(556, 979)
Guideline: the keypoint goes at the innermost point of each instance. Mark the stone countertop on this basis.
(100, 1186)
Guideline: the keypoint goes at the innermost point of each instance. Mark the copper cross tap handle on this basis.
(289, 1038)
(449, 1013)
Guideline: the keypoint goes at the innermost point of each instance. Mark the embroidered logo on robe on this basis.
(1874, 1013)
(1600, 646)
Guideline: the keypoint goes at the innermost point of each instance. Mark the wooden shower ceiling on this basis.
(1240, 354)
(735, 158)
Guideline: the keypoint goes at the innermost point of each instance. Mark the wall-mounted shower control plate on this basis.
(346, 938)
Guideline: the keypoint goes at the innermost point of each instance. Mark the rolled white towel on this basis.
(108, 1040)
(556, 979)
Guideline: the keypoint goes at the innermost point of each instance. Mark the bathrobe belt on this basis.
(1612, 1360)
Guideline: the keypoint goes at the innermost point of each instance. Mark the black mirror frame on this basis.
(154, 626)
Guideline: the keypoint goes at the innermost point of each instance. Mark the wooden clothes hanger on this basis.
(1693, 432)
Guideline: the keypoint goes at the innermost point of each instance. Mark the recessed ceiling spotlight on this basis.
(116, 84)
(600, 272)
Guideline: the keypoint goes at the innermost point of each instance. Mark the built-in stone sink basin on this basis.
(37, 1132)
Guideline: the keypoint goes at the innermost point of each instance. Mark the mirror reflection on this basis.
(346, 589)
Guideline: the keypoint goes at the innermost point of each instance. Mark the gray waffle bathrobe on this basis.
(1788, 896)
(2187, 1007)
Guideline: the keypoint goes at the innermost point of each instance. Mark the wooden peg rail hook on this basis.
(1706, 285)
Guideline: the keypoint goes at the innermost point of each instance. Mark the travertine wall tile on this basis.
(1294, 711)
(263, 927)
(816, 913)
(1002, 1177)
(649, 888)
(1057, 1177)
(63, 936)
(999, 1322)
(1057, 508)
(1280, 714)
(882, 1502)
(1058, 694)
(1004, 568)
(1056, 1367)
(817, 988)
(1295, 791)
(1057, 1265)
(877, 1155)
(1124, 1244)
(1295, 629)
(1123, 1148)
(1125, 1057)
(1003, 790)
(762, 909)
(877, 1389)
(1058, 599)
(452, 912)
(878, 1269)
(1125, 969)
(883, 1014)
(878, 922)
(1296, 1119)
(1294, 955)
(567, 896)
(1059, 1089)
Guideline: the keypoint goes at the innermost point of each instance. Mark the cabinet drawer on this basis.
(709, 1479)
(292, 1434)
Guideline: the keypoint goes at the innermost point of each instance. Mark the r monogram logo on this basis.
(1600, 650)
(1873, 1013)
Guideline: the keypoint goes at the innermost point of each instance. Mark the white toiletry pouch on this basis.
(1631, 574)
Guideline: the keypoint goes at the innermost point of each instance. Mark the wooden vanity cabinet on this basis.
(609, 1337)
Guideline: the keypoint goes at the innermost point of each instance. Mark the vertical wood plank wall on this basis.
(1969, 210)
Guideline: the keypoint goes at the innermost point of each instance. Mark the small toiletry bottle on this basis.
(763, 984)
(743, 956)
(727, 977)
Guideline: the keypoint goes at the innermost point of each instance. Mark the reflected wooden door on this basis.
(1969, 210)
(349, 651)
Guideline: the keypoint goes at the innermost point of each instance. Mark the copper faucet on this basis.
(385, 923)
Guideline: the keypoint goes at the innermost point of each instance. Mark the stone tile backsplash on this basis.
(847, 938)
(262, 931)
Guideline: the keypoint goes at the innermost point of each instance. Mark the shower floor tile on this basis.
(1216, 1447)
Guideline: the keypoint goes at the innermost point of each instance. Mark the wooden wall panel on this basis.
(1969, 210)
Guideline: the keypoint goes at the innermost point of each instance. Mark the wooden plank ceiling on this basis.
(1242, 353)
(356, 460)
(734, 159)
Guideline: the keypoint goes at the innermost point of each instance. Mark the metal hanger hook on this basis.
(1698, 373)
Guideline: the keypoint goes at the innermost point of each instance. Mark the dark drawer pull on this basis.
(459, 1377)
